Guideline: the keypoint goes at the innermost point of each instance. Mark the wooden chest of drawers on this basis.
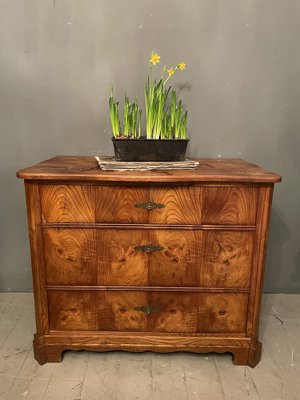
(162, 261)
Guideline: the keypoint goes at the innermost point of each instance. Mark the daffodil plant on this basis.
(132, 119)
(114, 115)
(165, 119)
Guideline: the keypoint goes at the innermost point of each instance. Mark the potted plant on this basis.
(165, 138)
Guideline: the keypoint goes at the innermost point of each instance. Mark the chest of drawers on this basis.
(162, 260)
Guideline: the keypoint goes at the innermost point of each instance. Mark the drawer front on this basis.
(155, 205)
(108, 257)
(128, 311)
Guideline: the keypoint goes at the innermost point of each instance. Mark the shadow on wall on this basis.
(276, 264)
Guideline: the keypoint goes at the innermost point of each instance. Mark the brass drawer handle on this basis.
(148, 248)
(149, 206)
(146, 309)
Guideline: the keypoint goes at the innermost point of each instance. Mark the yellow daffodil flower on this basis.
(155, 58)
(181, 66)
(170, 71)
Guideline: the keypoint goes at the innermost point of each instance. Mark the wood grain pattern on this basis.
(229, 205)
(177, 312)
(85, 168)
(117, 204)
(70, 256)
(189, 289)
(37, 256)
(73, 310)
(67, 203)
(223, 312)
(226, 259)
(213, 259)
(54, 344)
(261, 239)
(171, 311)
(116, 311)
(118, 262)
(98, 225)
(178, 264)
(182, 205)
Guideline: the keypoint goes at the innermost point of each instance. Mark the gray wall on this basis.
(58, 59)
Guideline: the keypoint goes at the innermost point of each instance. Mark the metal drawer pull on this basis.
(146, 309)
(149, 206)
(148, 248)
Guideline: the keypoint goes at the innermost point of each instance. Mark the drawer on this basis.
(120, 257)
(148, 311)
(155, 205)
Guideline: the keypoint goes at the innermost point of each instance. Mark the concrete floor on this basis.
(147, 376)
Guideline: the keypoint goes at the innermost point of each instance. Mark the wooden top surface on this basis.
(85, 168)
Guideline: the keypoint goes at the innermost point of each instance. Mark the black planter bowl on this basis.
(150, 149)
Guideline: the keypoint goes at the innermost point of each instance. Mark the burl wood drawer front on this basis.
(154, 205)
(148, 311)
(123, 257)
